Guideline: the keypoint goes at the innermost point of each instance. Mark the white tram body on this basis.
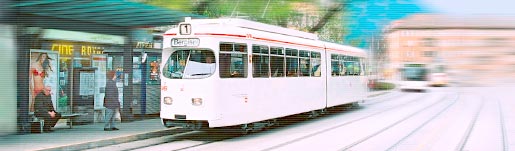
(260, 72)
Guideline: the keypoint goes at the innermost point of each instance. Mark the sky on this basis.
(470, 7)
(368, 17)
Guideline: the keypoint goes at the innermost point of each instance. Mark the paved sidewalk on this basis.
(82, 137)
(85, 136)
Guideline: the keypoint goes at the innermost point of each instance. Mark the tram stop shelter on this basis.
(103, 17)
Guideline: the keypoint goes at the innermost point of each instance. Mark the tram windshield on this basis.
(190, 64)
(414, 74)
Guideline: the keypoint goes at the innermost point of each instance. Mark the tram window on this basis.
(233, 63)
(190, 64)
(352, 65)
(304, 53)
(276, 51)
(260, 49)
(226, 47)
(292, 61)
(315, 62)
(335, 65)
(240, 47)
(291, 52)
(304, 63)
(277, 62)
(357, 66)
(260, 61)
(341, 65)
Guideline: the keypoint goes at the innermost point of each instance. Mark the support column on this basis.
(143, 88)
(23, 44)
(126, 112)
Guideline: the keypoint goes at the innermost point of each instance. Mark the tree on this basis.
(285, 13)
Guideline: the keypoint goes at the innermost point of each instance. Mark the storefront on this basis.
(76, 69)
(147, 50)
(71, 51)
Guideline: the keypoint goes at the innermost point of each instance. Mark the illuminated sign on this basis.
(184, 42)
(68, 49)
(149, 45)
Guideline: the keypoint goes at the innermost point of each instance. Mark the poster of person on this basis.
(44, 69)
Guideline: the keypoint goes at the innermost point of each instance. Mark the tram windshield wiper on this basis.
(200, 74)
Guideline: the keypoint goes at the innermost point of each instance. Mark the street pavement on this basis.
(82, 137)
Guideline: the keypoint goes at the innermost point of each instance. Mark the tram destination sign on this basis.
(185, 42)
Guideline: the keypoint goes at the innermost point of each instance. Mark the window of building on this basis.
(429, 42)
(233, 60)
(260, 61)
(429, 53)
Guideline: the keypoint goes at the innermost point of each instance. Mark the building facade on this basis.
(474, 51)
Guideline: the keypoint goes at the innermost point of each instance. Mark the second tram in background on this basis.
(420, 76)
(235, 72)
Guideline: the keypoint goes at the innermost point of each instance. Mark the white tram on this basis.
(235, 72)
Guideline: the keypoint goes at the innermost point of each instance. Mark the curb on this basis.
(117, 140)
(378, 94)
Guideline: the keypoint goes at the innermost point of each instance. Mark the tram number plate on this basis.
(184, 42)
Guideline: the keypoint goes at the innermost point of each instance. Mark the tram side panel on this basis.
(345, 82)
(268, 97)
(338, 88)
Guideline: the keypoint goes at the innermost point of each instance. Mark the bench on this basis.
(67, 116)
(35, 119)
(70, 117)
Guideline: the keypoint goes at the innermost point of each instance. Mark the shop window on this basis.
(153, 66)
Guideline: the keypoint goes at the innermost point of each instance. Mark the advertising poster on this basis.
(44, 69)
(99, 61)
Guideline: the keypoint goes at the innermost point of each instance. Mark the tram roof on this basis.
(334, 46)
(111, 12)
(253, 25)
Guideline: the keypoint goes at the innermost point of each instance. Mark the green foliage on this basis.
(275, 12)
(383, 86)
(181, 5)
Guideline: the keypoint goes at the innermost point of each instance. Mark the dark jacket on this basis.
(43, 104)
(111, 97)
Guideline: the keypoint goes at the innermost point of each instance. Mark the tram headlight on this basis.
(167, 100)
(196, 101)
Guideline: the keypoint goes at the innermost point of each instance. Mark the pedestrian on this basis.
(111, 101)
(44, 109)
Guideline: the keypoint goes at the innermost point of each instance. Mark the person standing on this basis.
(111, 101)
(44, 109)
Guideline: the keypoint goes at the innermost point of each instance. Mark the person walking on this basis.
(111, 101)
